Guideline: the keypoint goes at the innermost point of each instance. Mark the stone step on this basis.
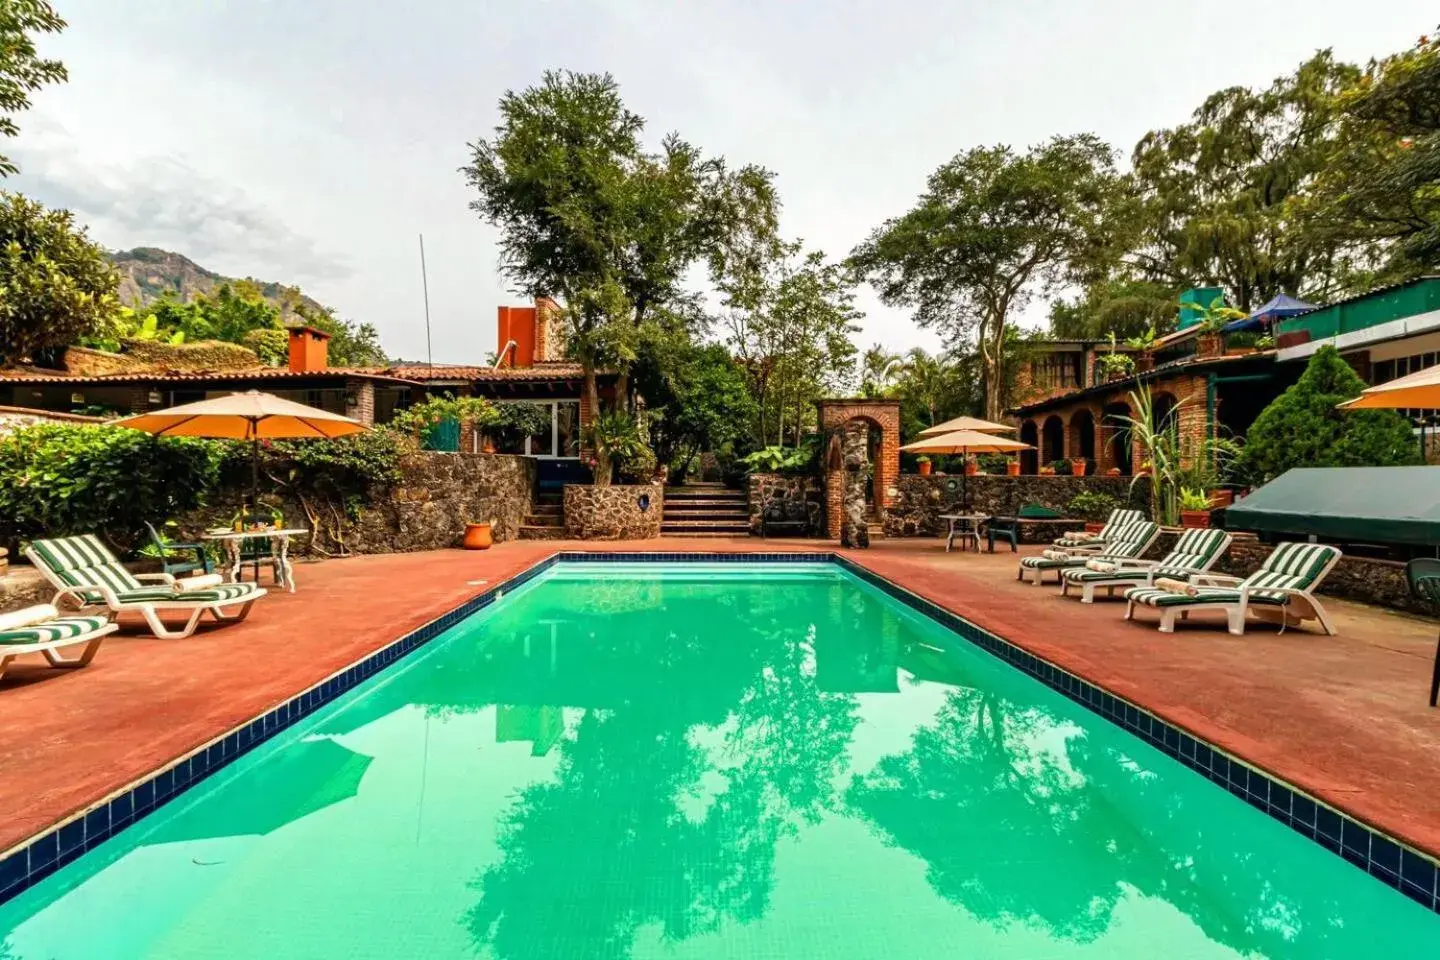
(717, 492)
(544, 521)
(549, 509)
(701, 534)
(528, 532)
(740, 504)
(697, 526)
(723, 518)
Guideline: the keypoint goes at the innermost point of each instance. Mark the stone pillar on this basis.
(855, 443)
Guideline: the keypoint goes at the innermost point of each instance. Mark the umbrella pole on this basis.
(255, 495)
(965, 482)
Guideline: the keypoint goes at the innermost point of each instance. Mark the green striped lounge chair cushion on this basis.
(52, 630)
(85, 562)
(1193, 552)
(1290, 566)
(1118, 519)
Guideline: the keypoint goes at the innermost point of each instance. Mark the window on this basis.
(561, 440)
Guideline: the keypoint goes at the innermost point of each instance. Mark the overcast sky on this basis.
(312, 141)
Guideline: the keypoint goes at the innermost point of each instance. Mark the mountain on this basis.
(148, 273)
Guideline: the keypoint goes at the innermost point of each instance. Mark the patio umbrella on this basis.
(1418, 390)
(966, 423)
(1277, 309)
(252, 416)
(964, 443)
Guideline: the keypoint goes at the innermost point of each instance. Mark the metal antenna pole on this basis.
(425, 285)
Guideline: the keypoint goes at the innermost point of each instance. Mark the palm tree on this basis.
(878, 371)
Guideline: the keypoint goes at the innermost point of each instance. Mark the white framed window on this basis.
(561, 441)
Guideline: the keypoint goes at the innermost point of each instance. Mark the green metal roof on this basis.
(1346, 504)
(1396, 302)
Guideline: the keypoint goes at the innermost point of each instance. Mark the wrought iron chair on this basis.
(1424, 576)
(170, 553)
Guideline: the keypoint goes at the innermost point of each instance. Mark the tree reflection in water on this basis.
(617, 841)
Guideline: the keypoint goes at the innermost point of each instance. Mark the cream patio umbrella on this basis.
(964, 443)
(252, 416)
(966, 423)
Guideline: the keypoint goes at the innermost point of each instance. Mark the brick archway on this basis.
(884, 415)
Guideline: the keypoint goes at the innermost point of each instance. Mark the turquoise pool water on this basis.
(700, 762)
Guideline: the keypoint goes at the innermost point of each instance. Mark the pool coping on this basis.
(1391, 861)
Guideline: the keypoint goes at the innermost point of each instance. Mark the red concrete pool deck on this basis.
(1344, 718)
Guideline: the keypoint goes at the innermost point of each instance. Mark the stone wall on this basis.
(427, 510)
(920, 501)
(760, 487)
(618, 512)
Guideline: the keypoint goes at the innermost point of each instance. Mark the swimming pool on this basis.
(707, 760)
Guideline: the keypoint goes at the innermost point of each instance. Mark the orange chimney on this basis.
(309, 349)
(515, 324)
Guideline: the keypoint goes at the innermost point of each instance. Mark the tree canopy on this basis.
(992, 229)
(55, 284)
(22, 69)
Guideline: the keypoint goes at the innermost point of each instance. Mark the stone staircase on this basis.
(548, 520)
(705, 510)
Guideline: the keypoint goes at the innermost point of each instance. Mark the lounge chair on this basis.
(41, 629)
(1195, 552)
(87, 574)
(1095, 543)
(1283, 588)
(1129, 543)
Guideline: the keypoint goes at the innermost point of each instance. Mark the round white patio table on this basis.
(279, 548)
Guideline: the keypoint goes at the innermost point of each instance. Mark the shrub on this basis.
(787, 460)
(1303, 428)
(1092, 505)
(60, 480)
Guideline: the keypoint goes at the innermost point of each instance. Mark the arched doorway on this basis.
(1030, 459)
(1082, 436)
(1052, 440)
(1115, 438)
(878, 422)
(1162, 410)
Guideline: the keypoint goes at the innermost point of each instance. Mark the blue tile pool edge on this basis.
(32, 860)
(1410, 871)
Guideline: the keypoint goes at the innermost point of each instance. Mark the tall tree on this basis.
(22, 69)
(795, 341)
(1219, 196)
(55, 284)
(992, 229)
(879, 369)
(588, 215)
(1383, 192)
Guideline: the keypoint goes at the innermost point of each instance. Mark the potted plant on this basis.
(1143, 345)
(1079, 466)
(478, 535)
(1048, 470)
(922, 463)
(1012, 467)
(1060, 468)
(1194, 508)
(1113, 365)
(1210, 342)
(972, 467)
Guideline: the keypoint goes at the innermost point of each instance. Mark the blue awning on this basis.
(1277, 309)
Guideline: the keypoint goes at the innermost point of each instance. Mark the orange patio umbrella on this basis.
(252, 416)
(1419, 390)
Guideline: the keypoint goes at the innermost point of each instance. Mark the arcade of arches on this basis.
(1098, 431)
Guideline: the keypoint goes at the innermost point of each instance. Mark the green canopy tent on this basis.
(1399, 505)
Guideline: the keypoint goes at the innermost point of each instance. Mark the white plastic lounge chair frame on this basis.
(1196, 551)
(1130, 543)
(1077, 542)
(1281, 591)
(87, 574)
(50, 636)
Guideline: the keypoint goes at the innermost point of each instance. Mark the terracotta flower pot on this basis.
(487, 445)
(1195, 518)
(924, 467)
(1047, 471)
(971, 469)
(1012, 468)
(477, 536)
(1221, 497)
(1078, 467)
